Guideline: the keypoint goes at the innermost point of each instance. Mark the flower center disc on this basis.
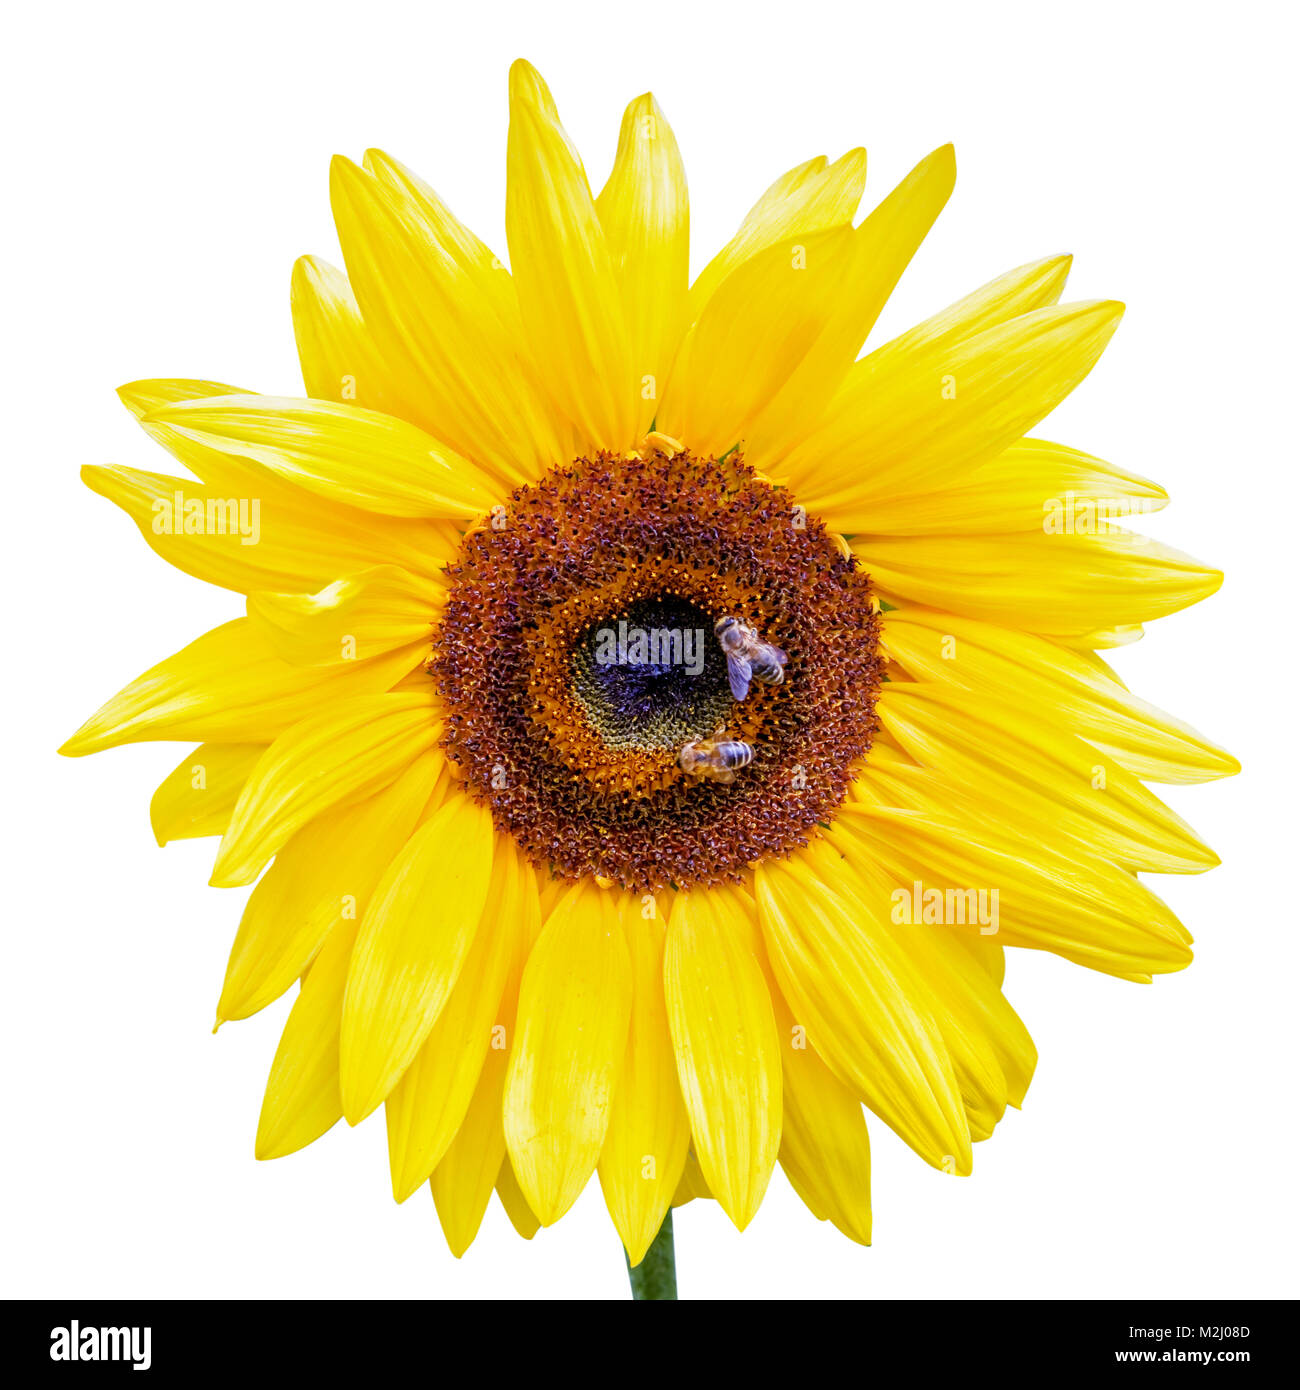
(652, 676)
(576, 655)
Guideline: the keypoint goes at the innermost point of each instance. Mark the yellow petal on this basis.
(414, 939)
(1054, 684)
(1017, 292)
(1029, 772)
(812, 197)
(759, 326)
(550, 891)
(425, 1108)
(229, 686)
(692, 1184)
(197, 797)
(441, 309)
(1015, 492)
(536, 435)
(340, 361)
(243, 531)
(574, 1006)
(462, 1182)
(1121, 635)
(321, 879)
(351, 619)
(955, 408)
(299, 528)
(1065, 586)
(302, 1094)
(143, 397)
(424, 209)
(825, 1151)
(865, 1010)
(569, 297)
(1068, 900)
(644, 210)
(645, 1147)
(882, 248)
(515, 1203)
(1020, 291)
(992, 1055)
(336, 757)
(346, 454)
(728, 1061)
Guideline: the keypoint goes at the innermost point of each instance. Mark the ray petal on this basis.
(645, 212)
(724, 1034)
(1056, 685)
(569, 296)
(413, 943)
(198, 795)
(645, 1147)
(865, 1009)
(335, 757)
(321, 879)
(574, 1007)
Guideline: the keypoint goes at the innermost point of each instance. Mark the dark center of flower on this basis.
(652, 676)
(577, 656)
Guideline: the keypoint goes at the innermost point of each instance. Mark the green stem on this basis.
(656, 1276)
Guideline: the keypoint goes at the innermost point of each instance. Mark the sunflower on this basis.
(657, 717)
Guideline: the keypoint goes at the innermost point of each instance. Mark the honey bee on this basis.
(714, 759)
(748, 656)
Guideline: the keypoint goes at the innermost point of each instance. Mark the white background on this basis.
(164, 166)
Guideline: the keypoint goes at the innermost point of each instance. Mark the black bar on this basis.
(976, 1338)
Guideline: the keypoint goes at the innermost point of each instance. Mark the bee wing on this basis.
(777, 653)
(738, 673)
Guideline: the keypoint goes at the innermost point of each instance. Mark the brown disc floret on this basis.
(577, 752)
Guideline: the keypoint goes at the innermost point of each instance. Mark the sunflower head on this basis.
(657, 711)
